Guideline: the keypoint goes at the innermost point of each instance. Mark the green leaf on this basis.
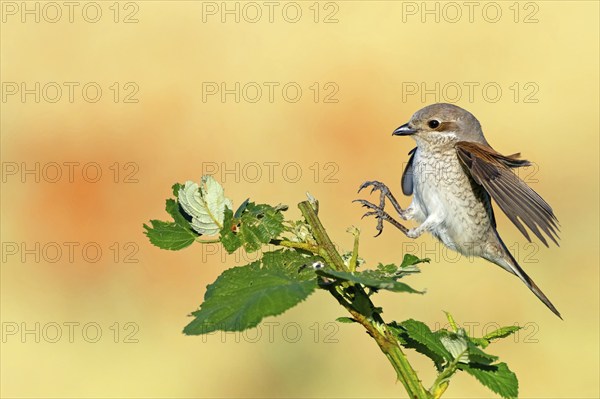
(457, 345)
(388, 269)
(257, 225)
(496, 334)
(205, 203)
(408, 266)
(241, 208)
(501, 332)
(345, 320)
(171, 235)
(418, 336)
(411, 260)
(451, 322)
(172, 208)
(242, 296)
(374, 279)
(364, 306)
(497, 377)
(176, 187)
(230, 237)
(478, 356)
(398, 331)
(479, 342)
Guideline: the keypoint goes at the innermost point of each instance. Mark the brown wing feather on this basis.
(517, 200)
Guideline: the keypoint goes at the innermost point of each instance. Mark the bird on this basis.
(453, 174)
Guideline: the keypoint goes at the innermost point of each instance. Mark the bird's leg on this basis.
(378, 210)
(409, 213)
(429, 224)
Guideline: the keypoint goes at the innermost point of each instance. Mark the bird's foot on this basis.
(380, 215)
(384, 192)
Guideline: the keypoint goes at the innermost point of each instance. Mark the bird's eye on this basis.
(433, 123)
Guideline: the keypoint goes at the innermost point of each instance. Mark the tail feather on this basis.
(513, 267)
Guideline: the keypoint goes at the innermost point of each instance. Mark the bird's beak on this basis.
(404, 130)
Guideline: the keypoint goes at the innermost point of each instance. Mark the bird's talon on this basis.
(379, 210)
(366, 204)
(363, 186)
(369, 214)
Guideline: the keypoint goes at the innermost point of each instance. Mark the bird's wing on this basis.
(519, 202)
(407, 175)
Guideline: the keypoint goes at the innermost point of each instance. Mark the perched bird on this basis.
(453, 174)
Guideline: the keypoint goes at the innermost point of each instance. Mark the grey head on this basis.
(443, 121)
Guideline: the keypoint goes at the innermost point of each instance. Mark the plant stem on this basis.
(297, 245)
(443, 379)
(372, 322)
(328, 250)
(354, 259)
(209, 241)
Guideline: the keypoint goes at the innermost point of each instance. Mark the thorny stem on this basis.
(327, 249)
(372, 322)
(354, 259)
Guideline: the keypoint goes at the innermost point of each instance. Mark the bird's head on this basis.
(442, 122)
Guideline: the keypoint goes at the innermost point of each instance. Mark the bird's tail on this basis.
(512, 266)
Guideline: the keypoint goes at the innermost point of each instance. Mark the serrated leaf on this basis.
(388, 269)
(169, 235)
(392, 270)
(398, 332)
(257, 225)
(174, 235)
(496, 334)
(478, 356)
(501, 332)
(480, 342)
(456, 343)
(173, 209)
(497, 378)
(242, 296)
(418, 336)
(374, 279)
(176, 187)
(205, 203)
(411, 260)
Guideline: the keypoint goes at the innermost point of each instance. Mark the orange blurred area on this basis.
(107, 105)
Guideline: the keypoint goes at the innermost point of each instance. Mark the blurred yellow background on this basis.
(145, 93)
